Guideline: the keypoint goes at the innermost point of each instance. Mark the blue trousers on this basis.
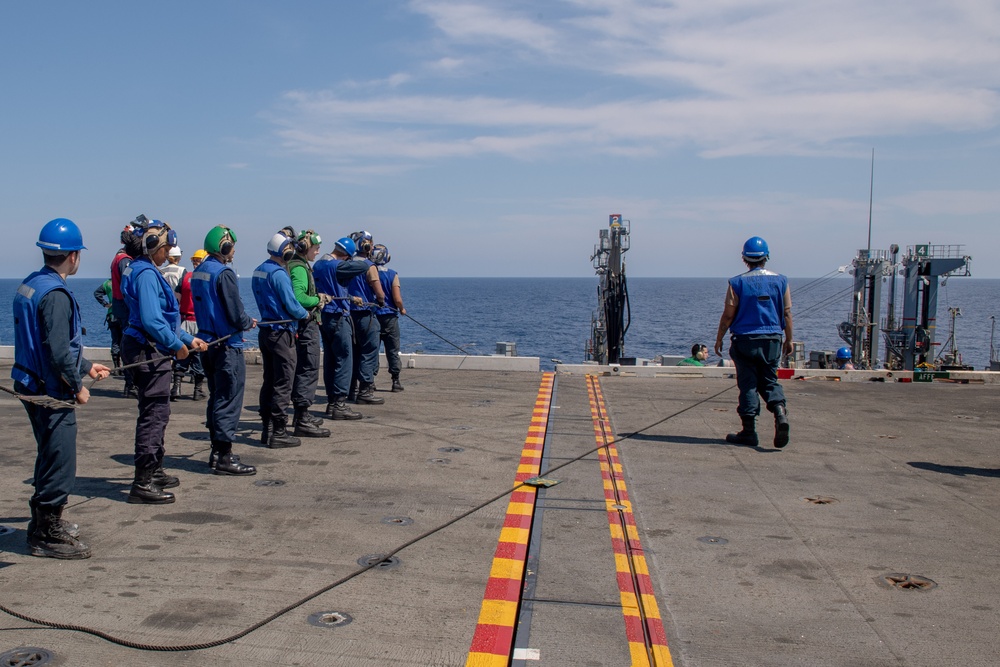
(55, 464)
(366, 339)
(756, 361)
(226, 372)
(338, 357)
(152, 383)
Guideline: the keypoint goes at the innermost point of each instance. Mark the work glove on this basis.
(324, 299)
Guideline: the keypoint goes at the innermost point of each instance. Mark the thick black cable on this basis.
(281, 612)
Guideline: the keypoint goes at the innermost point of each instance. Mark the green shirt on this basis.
(690, 361)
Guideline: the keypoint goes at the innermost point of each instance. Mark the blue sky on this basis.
(494, 138)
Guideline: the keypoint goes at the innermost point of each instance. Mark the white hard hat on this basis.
(175, 251)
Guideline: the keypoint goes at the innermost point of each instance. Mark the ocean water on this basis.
(550, 317)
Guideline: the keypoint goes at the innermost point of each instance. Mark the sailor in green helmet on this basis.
(219, 311)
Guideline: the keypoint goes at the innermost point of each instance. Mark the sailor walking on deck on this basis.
(758, 309)
(220, 314)
(272, 290)
(49, 361)
(153, 334)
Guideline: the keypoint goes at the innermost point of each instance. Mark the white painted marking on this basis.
(527, 654)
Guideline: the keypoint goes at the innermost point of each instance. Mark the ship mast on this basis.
(613, 315)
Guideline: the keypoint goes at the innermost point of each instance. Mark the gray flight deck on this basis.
(757, 556)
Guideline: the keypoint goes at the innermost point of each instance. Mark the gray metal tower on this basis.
(924, 265)
(613, 316)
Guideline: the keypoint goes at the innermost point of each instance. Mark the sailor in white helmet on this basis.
(172, 270)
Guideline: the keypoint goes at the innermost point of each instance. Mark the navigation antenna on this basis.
(613, 316)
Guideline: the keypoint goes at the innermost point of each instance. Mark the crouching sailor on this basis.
(153, 335)
(280, 312)
(48, 361)
(758, 309)
(221, 317)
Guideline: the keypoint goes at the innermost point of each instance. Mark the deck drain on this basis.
(379, 561)
(710, 539)
(23, 657)
(397, 520)
(451, 450)
(442, 462)
(821, 500)
(906, 582)
(269, 482)
(6, 530)
(330, 619)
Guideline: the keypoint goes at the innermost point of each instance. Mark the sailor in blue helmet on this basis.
(844, 359)
(333, 273)
(221, 317)
(368, 288)
(276, 302)
(49, 361)
(388, 316)
(758, 310)
(153, 335)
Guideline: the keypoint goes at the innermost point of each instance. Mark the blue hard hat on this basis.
(844, 353)
(60, 234)
(347, 245)
(755, 249)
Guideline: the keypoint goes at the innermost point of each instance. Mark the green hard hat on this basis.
(220, 240)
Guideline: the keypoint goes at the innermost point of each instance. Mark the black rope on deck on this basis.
(281, 612)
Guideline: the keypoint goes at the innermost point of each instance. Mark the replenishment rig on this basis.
(611, 320)
(909, 340)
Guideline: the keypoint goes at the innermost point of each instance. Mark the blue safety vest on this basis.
(386, 276)
(761, 309)
(31, 364)
(325, 274)
(359, 287)
(266, 294)
(168, 302)
(208, 309)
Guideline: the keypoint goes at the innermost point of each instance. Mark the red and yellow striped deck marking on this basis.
(643, 626)
(493, 640)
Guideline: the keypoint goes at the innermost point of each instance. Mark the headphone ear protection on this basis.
(154, 237)
(307, 239)
(228, 242)
(364, 246)
(288, 251)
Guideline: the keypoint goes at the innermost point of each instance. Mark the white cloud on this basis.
(754, 77)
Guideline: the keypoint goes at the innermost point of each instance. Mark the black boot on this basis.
(280, 438)
(748, 436)
(229, 464)
(71, 528)
(265, 432)
(339, 409)
(366, 394)
(175, 388)
(306, 427)
(163, 480)
(396, 386)
(780, 425)
(353, 393)
(307, 416)
(51, 540)
(145, 491)
(199, 390)
(129, 391)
